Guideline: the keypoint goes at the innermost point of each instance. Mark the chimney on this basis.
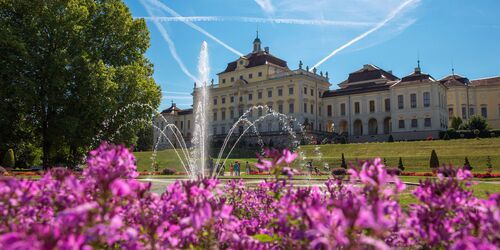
(266, 49)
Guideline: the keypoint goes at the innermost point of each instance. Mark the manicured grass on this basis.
(415, 155)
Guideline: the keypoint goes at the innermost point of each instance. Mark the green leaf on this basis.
(264, 238)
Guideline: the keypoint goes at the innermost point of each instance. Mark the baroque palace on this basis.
(370, 105)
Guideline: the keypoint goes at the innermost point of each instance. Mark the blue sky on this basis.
(391, 34)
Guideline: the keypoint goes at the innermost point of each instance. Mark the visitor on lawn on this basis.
(248, 168)
(231, 169)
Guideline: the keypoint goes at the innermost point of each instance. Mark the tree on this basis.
(67, 66)
(489, 166)
(434, 161)
(8, 160)
(343, 164)
(400, 164)
(145, 139)
(477, 122)
(467, 165)
(456, 122)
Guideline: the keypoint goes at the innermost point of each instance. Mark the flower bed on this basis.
(110, 209)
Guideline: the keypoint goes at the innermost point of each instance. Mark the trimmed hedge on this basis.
(467, 134)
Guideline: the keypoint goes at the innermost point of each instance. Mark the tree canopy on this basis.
(67, 66)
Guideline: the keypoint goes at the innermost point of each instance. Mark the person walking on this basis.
(248, 168)
(237, 168)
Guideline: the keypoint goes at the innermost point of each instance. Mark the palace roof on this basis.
(257, 59)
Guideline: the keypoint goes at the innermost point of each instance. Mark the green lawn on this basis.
(415, 155)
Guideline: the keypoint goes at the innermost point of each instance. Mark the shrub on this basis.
(477, 122)
(434, 161)
(393, 171)
(446, 136)
(168, 171)
(343, 140)
(467, 165)
(489, 166)
(8, 160)
(343, 164)
(456, 122)
(400, 164)
(390, 139)
(339, 171)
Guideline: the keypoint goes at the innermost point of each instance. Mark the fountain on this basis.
(194, 158)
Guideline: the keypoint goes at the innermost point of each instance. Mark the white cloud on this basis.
(266, 6)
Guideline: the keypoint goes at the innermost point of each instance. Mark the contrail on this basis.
(170, 43)
(194, 26)
(294, 21)
(266, 5)
(377, 27)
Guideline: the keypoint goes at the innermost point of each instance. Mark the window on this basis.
(329, 110)
(280, 108)
(319, 93)
(182, 125)
(305, 90)
(356, 108)
(413, 100)
(414, 123)
(305, 107)
(223, 130)
(450, 112)
(484, 111)
(269, 93)
(401, 123)
(260, 74)
(250, 96)
(232, 79)
(232, 99)
(231, 114)
(312, 92)
(224, 80)
(312, 109)
(260, 112)
(342, 109)
(241, 98)
(290, 108)
(319, 110)
(280, 92)
(223, 115)
(464, 112)
(250, 76)
(372, 106)
(215, 115)
(427, 99)
(223, 100)
(401, 104)
(189, 124)
(259, 95)
(215, 101)
(215, 130)
(387, 104)
(241, 77)
(471, 111)
(427, 122)
(290, 91)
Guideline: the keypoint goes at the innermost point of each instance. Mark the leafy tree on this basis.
(67, 66)
(145, 139)
(8, 160)
(477, 122)
(400, 164)
(456, 122)
(343, 164)
(434, 161)
(467, 164)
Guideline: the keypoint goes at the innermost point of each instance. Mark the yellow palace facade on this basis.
(369, 105)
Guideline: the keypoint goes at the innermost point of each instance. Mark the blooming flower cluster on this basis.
(108, 209)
